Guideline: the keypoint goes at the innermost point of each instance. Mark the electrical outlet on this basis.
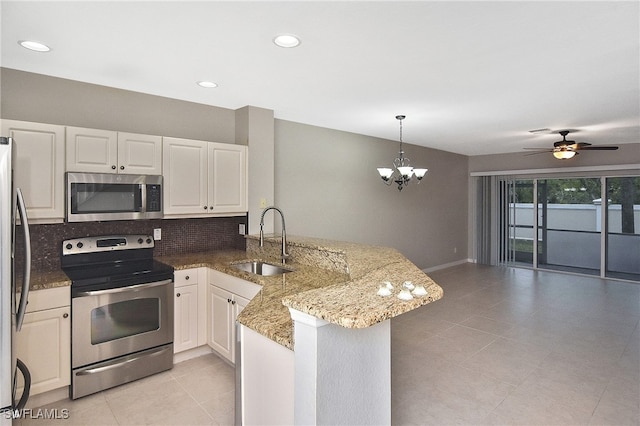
(263, 203)
(455, 249)
(157, 234)
(241, 229)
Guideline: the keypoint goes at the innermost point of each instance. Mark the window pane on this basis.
(521, 225)
(569, 221)
(623, 226)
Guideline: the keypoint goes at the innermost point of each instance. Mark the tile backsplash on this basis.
(178, 236)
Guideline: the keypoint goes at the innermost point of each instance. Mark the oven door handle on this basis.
(121, 363)
(123, 289)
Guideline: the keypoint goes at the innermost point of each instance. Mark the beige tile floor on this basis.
(505, 346)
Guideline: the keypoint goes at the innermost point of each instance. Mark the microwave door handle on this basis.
(143, 197)
(24, 294)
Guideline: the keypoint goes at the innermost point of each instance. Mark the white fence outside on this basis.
(573, 235)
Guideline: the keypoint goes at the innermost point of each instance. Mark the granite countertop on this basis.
(340, 287)
(332, 280)
(48, 279)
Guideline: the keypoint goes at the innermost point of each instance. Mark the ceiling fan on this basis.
(564, 149)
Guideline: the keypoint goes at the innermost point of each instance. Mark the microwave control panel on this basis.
(154, 198)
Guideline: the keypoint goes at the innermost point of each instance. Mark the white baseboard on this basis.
(447, 265)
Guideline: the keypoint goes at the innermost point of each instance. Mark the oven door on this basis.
(114, 322)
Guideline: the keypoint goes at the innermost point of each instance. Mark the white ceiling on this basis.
(471, 77)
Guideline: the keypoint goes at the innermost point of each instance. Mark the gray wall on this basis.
(325, 180)
(327, 184)
(43, 99)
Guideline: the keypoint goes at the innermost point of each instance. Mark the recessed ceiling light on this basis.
(207, 84)
(286, 40)
(34, 45)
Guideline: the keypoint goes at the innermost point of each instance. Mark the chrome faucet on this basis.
(284, 254)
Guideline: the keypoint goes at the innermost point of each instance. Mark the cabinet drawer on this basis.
(40, 300)
(185, 277)
(233, 284)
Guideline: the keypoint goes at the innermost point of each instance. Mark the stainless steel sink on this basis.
(262, 268)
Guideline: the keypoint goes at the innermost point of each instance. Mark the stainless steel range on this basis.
(121, 311)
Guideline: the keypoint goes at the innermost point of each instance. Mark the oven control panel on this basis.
(106, 243)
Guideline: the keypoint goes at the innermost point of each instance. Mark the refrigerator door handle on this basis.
(24, 294)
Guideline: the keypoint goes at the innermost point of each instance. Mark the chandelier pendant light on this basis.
(402, 171)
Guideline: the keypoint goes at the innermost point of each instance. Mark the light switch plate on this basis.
(241, 229)
(157, 234)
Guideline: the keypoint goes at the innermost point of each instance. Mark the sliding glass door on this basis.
(583, 225)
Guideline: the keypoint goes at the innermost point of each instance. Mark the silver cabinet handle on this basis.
(113, 167)
(123, 289)
(178, 295)
(65, 315)
(187, 278)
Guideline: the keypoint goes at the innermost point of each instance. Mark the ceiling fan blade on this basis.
(599, 148)
(541, 149)
(580, 145)
(537, 152)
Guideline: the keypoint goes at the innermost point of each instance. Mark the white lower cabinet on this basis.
(44, 342)
(227, 296)
(189, 309)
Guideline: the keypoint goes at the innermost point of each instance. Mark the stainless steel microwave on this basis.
(104, 196)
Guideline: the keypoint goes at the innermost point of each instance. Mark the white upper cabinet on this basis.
(185, 176)
(39, 167)
(204, 178)
(227, 178)
(139, 154)
(104, 151)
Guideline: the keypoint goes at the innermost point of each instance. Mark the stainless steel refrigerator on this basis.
(15, 249)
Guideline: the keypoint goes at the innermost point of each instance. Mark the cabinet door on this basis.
(227, 178)
(185, 324)
(238, 306)
(44, 345)
(39, 166)
(139, 154)
(220, 322)
(91, 150)
(185, 176)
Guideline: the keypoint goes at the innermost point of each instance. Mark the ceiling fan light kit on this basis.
(405, 172)
(565, 150)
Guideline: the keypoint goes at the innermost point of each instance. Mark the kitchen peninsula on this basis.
(315, 341)
(321, 329)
